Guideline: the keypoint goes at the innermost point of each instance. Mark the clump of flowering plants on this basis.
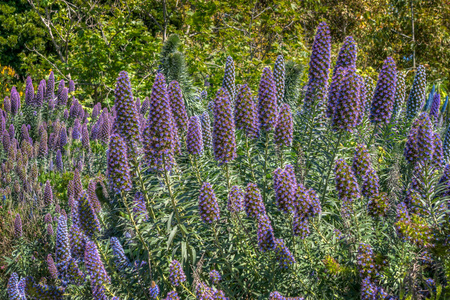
(249, 198)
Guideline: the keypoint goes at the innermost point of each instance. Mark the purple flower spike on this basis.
(176, 275)
(206, 130)
(253, 201)
(371, 185)
(284, 130)
(266, 239)
(333, 92)
(285, 190)
(319, 67)
(365, 261)
(177, 104)
(85, 138)
(61, 86)
(246, 114)
(236, 199)
(279, 73)
(207, 204)
(159, 133)
(154, 290)
(361, 161)
(224, 143)
(76, 131)
(94, 265)
(434, 110)
(89, 222)
(347, 109)
(215, 277)
(145, 106)
(346, 183)
(411, 151)
(194, 140)
(77, 239)
(378, 205)
(50, 89)
(267, 98)
(416, 98)
(347, 54)
(140, 208)
(62, 254)
(63, 97)
(284, 256)
(425, 138)
(438, 153)
(119, 255)
(400, 93)
(71, 86)
(29, 92)
(13, 287)
(43, 147)
(93, 196)
(50, 230)
(228, 83)
(48, 194)
(39, 98)
(384, 94)
(7, 104)
(172, 295)
(52, 267)
(18, 227)
(126, 123)
(15, 101)
(118, 169)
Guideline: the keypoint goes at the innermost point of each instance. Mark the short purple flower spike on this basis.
(253, 201)
(267, 98)
(29, 92)
(346, 183)
(384, 94)
(236, 199)
(283, 254)
(224, 143)
(285, 190)
(266, 239)
(284, 130)
(194, 140)
(94, 265)
(178, 108)
(118, 169)
(245, 113)
(347, 54)
(434, 110)
(207, 204)
(416, 98)
(206, 130)
(176, 275)
(361, 161)
(18, 227)
(62, 254)
(89, 222)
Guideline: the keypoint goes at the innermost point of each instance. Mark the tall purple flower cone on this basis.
(52, 267)
(361, 161)
(347, 54)
(411, 151)
(400, 93)
(347, 108)
(62, 254)
(18, 227)
(253, 202)
(89, 222)
(158, 134)
(245, 113)
(176, 275)
(384, 95)
(206, 130)
(43, 146)
(319, 67)
(29, 92)
(223, 135)
(61, 86)
(279, 73)
(285, 190)
(7, 104)
(267, 98)
(126, 123)
(438, 152)
(177, 105)
(15, 101)
(283, 254)
(425, 138)
(363, 100)
(284, 130)
(71, 86)
(333, 92)
(416, 98)
(207, 204)
(63, 97)
(228, 83)
(119, 255)
(85, 138)
(40, 95)
(235, 199)
(118, 168)
(434, 110)
(48, 194)
(346, 183)
(94, 265)
(13, 288)
(50, 89)
(266, 238)
(194, 140)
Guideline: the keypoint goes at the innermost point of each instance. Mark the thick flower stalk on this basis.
(425, 138)
(120, 258)
(285, 190)
(17, 227)
(94, 265)
(284, 130)
(158, 134)
(223, 135)
(347, 108)
(62, 254)
(347, 54)
(177, 104)
(279, 73)
(416, 97)
(253, 203)
(118, 168)
(194, 139)
(266, 239)
(267, 101)
(228, 83)
(333, 92)
(319, 67)
(176, 275)
(93, 199)
(361, 161)
(384, 94)
(434, 110)
(283, 254)
(126, 122)
(89, 222)
(400, 93)
(207, 204)
(245, 113)
(236, 199)
(139, 206)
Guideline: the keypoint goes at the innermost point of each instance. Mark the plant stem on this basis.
(197, 172)
(227, 174)
(331, 165)
(266, 153)
(249, 160)
(373, 135)
(172, 197)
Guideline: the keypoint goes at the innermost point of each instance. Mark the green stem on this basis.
(373, 135)
(249, 159)
(266, 153)
(188, 290)
(195, 165)
(331, 165)
(227, 174)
